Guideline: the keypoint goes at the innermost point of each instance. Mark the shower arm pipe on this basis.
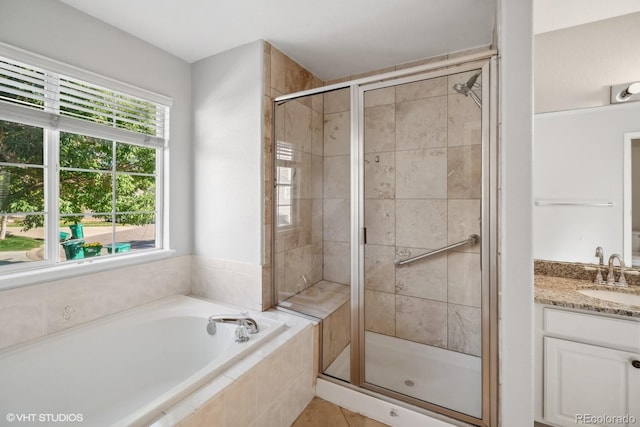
(475, 98)
(391, 74)
(473, 238)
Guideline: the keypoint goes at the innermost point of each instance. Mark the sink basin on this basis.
(619, 297)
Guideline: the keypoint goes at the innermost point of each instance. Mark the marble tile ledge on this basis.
(562, 292)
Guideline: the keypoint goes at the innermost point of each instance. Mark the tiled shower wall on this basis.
(298, 249)
(298, 246)
(336, 186)
(422, 192)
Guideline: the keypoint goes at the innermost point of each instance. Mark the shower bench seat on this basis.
(330, 302)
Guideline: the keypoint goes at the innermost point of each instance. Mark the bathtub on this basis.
(123, 370)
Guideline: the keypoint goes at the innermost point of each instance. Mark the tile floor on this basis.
(320, 413)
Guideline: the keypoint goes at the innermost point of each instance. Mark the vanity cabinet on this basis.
(586, 365)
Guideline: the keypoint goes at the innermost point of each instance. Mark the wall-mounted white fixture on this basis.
(625, 92)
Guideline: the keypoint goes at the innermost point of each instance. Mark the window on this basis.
(81, 165)
(285, 176)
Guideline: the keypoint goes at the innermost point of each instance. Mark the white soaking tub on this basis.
(122, 370)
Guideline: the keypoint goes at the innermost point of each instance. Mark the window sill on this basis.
(79, 268)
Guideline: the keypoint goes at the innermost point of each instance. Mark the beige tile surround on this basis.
(34, 311)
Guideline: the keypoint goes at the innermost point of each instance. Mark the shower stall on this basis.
(385, 229)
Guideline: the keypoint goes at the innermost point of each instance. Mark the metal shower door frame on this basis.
(488, 241)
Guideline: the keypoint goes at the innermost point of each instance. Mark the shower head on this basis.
(466, 89)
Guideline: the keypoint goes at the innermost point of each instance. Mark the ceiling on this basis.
(332, 38)
(551, 15)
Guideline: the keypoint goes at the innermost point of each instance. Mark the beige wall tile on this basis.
(380, 175)
(426, 278)
(317, 260)
(421, 320)
(317, 220)
(380, 128)
(317, 101)
(301, 187)
(297, 79)
(277, 70)
(291, 359)
(421, 174)
(465, 329)
(65, 305)
(380, 312)
(337, 262)
(267, 291)
(465, 280)
(210, 414)
(421, 89)
(421, 123)
(21, 316)
(267, 125)
(266, 59)
(337, 101)
(336, 218)
(240, 402)
(463, 219)
(326, 340)
(379, 269)
(384, 96)
(317, 133)
(337, 134)
(465, 121)
(340, 332)
(270, 417)
(267, 236)
(297, 262)
(278, 122)
(336, 177)
(297, 126)
(380, 220)
(464, 165)
(421, 223)
(317, 172)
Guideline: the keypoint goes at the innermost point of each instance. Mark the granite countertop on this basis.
(562, 292)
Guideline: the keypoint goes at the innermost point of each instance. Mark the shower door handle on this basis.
(364, 235)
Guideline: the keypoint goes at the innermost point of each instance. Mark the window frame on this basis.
(52, 268)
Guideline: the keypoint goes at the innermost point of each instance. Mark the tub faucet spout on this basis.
(242, 321)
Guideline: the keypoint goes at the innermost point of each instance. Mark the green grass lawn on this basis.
(19, 243)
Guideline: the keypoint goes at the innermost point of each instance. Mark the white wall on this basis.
(579, 157)
(57, 31)
(516, 267)
(227, 121)
(574, 67)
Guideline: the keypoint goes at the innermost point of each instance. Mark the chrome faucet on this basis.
(246, 325)
(611, 279)
(600, 254)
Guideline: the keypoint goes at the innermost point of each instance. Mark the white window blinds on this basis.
(39, 97)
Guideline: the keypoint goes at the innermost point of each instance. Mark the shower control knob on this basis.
(635, 364)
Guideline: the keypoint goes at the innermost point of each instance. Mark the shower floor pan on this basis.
(443, 377)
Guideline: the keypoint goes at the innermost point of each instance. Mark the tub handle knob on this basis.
(242, 334)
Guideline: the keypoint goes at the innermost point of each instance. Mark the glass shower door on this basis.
(422, 192)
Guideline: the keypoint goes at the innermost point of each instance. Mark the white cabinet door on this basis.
(587, 384)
